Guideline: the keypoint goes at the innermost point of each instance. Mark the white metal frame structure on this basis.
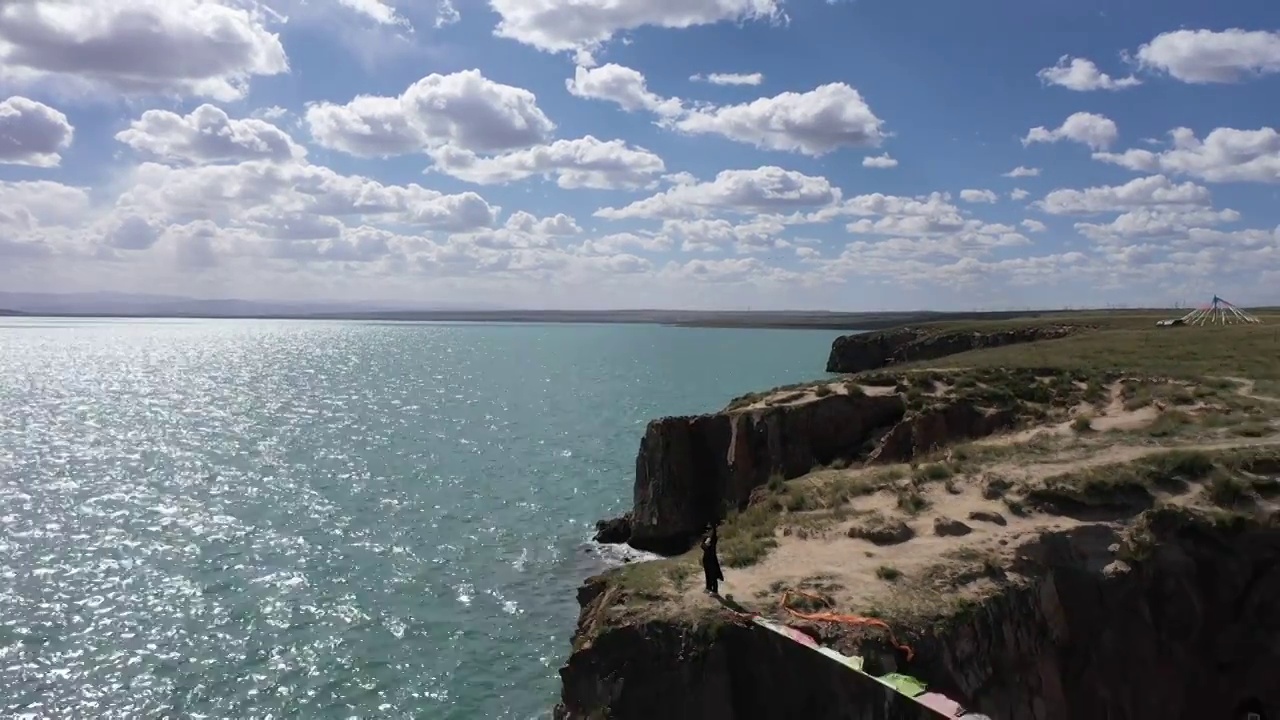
(1218, 312)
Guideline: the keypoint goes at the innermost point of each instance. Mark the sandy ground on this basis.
(853, 570)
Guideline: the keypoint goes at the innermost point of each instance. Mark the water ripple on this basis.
(267, 519)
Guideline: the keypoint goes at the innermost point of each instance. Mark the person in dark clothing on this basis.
(711, 563)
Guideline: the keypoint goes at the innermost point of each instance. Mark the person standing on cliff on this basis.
(711, 563)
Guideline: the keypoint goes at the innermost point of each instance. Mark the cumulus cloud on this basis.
(464, 110)
(1021, 171)
(26, 205)
(1096, 131)
(622, 85)
(1225, 155)
(1156, 222)
(1034, 225)
(207, 134)
(1207, 56)
(1018, 194)
(978, 196)
(1082, 75)
(559, 25)
(582, 163)
(558, 224)
(729, 78)
(32, 133)
(183, 47)
(764, 189)
(258, 190)
(879, 161)
(1156, 190)
(814, 123)
(717, 234)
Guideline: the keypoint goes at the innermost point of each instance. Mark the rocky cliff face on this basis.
(691, 470)
(870, 351)
(930, 429)
(1186, 629)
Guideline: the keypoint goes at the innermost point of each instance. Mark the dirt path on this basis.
(1245, 388)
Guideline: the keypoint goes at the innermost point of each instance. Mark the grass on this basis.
(888, 573)
(1223, 475)
(1131, 343)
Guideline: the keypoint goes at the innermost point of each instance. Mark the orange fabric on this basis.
(839, 618)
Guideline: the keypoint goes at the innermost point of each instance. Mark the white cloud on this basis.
(1018, 194)
(1156, 190)
(814, 123)
(558, 25)
(558, 224)
(446, 14)
(266, 193)
(32, 133)
(1034, 225)
(1156, 222)
(1082, 75)
(1206, 56)
(582, 163)
(377, 10)
(978, 196)
(716, 234)
(1022, 171)
(729, 78)
(622, 85)
(621, 242)
(879, 161)
(764, 189)
(1225, 155)
(1096, 131)
(206, 135)
(26, 205)
(465, 110)
(185, 47)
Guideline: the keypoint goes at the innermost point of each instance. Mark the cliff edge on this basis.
(875, 350)
(1003, 544)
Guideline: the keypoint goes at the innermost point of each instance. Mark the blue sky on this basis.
(557, 153)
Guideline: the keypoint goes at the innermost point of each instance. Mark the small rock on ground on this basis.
(946, 526)
(990, 516)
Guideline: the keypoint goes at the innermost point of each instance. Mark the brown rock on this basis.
(990, 516)
(947, 527)
(614, 530)
(922, 432)
(881, 530)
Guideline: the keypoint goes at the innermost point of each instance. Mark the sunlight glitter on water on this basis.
(253, 519)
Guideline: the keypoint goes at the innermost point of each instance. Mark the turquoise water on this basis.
(255, 519)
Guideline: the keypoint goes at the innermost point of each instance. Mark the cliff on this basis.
(1049, 545)
(1189, 632)
(871, 351)
(692, 470)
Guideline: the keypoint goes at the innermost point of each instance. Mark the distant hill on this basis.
(137, 305)
(129, 304)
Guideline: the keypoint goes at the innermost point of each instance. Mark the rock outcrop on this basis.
(1183, 625)
(936, 427)
(871, 351)
(690, 471)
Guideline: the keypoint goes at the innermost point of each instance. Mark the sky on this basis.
(711, 154)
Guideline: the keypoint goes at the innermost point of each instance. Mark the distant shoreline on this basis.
(774, 320)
